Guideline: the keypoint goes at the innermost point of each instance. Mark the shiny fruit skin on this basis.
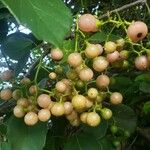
(6, 75)
(92, 93)
(6, 94)
(83, 117)
(44, 100)
(44, 115)
(110, 47)
(112, 57)
(33, 89)
(31, 118)
(52, 75)
(102, 81)
(141, 62)
(60, 86)
(106, 113)
(18, 111)
(68, 108)
(58, 109)
(23, 102)
(75, 59)
(116, 98)
(25, 81)
(56, 54)
(86, 74)
(16, 94)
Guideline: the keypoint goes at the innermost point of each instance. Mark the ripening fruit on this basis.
(79, 68)
(93, 50)
(71, 74)
(89, 102)
(25, 81)
(79, 102)
(137, 31)
(44, 100)
(102, 81)
(52, 75)
(58, 109)
(61, 87)
(72, 116)
(16, 94)
(59, 69)
(86, 74)
(120, 43)
(92, 93)
(83, 117)
(87, 23)
(110, 47)
(124, 54)
(23, 102)
(112, 57)
(31, 118)
(106, 113)
(67, 82)
(33, 89)
(116, 98)
(68, 108)
(51, 105)
(6, 75)
(56, 54)
(80, 84)
(93, 119)
(44, 115)
(6, 94)
(75, 122)
(100, 64)
(18, 111)
(74, 59)
(141, 62)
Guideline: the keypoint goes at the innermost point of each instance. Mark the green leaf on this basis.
(3, 129)
(143, 77)
(145, 87)
(98, 131)
(17, 45)
(124, 117)
(50, 143)
(42, 83)
(102, 37)
(5, 146)
(49, 20)
(23, 137)
(146, 107)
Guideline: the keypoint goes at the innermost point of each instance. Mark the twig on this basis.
(122, 8)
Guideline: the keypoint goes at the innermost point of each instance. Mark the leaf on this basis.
(42, 83)
(102, 36)
(146, 107)
(5, 146)
(49, 20)
(124, 117)
(17, 45)
(145, 87)
(143, 77)
(98, 131)
(3, 129)
(50, 143)
(23, 137)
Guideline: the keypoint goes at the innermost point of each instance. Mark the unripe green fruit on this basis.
(58, 70)
(114, 129)
(106, 113)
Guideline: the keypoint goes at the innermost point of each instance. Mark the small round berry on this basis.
(72, 74)
(120, 43)
(79, 102)
(51, 105)
(137, 31)
(92, 93)
(87, 23)
(56, 54)
(83, 117)
(126, 133)
(31, 118)
(116, 98)
(86, 74)
(79, 68)
(61, 87)
(112, 57)
(100, 64)
(23, 102)
(141, 62)
(72, 116)
(6, 94)
(75, 59)
(52, 75)
(89, 103)
(6, 75)
(110, 47)
(106, 113)
(58, 109)
(25, 81)
(44, 115)
(59, 69)
(114, 129)
(75, 122)
(16, 94)
(116, 143)
(68, 108)
(33, 89)
(102, 81)
(18, 111)
(80, 84)
(124, 54)
(44, 100)
(93, 119)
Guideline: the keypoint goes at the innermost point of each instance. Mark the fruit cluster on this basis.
(81, 86)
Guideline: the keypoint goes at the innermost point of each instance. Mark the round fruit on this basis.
(6, 94)
(58, 69)
(141, 62)
(52, 75)
(89, 103)
(100, 64)
(116, 143)
(71, 74)
(106, 113)
(116, 98)
(79, 68)
(75, 122)
(23, 102)
(72, 116)
(31, 118)
(18, 111)
(137, 31)
(75, 59)
(87, 23)
(79, 84)
(114, 129)
(44, 100)
(120, 43)
(25, 81)
(126, 133)
(6, 75)
(92, 93)
(51, 105)
(93, 119)
(110, 47)
(102, 81)
(124, 54)
(79, 102)
(33, 89)
(16, 94)
(68, 108)
(56, 54)
(112, 57)
(44, 115)
(86, 74)
(83, 117)
(58, 109)
(93, 50)
(60, 86)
